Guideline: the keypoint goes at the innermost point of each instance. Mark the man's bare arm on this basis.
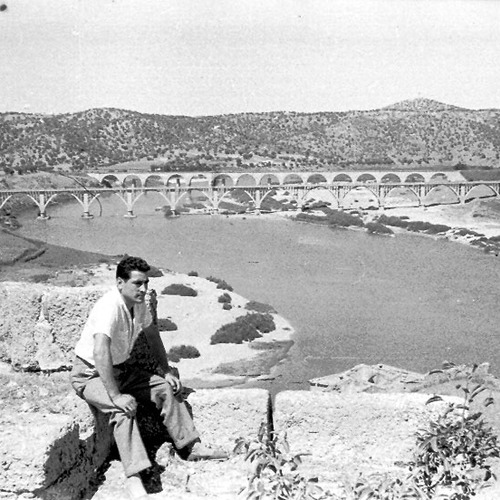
(104, 366)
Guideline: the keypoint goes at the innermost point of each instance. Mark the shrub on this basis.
(166, 325)
(456, 451)
(225, 298)
(40, 278)
(179, 289)
(221, 284)
(393, 220)
(154, 272)
(192, 273)
(259, 307)
(418, 226)
(178, 352)
(438, 228)
(343, 219)
(317, 219)
(262, 322)
(235, 333)
(377, 228)
(227, 307)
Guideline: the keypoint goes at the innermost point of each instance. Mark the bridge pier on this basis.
(42, 207)
(86, 207)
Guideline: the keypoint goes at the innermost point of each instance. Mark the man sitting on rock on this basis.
(104, 376)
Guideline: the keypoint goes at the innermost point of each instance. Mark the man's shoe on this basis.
(199, 451)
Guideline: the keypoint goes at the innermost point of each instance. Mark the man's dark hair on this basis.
(129, 264)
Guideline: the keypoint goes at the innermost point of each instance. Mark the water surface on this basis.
(407, 301)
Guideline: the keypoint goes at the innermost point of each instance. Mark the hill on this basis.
(417, 133)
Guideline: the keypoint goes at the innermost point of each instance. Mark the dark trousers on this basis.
(145, 387)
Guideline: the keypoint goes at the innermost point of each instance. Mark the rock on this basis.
(20, 307)
(347, 434)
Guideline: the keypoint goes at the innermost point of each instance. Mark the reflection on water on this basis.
(353, 298)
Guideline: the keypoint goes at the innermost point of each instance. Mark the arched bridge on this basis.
(250, 179)
(256, 196)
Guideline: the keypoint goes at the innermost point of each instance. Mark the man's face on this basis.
(134, 289)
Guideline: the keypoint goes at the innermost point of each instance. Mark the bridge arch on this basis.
(401, 196)
(390, 178)
(438, 177)
(187, 199)
(222, 180)
(237, 200)
(19, 196)
(366, 178)
(415, 177)
(293, 179)
(154, 181)
(199, 181)
(360, 197)
(110, 180)
(320, 195)
(269, 180)
(342, 178)
(441, 194)
(246, 180)
(175, 180)
(132, 180)
(316, 179)
(278, 199)
(479, 191)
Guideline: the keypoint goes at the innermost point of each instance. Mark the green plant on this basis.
(253, 305)
(166, 325)
(235, 333)
(179, 289)
(178, 352)
(378, 228)
(225, 298)
(221, 284)
(275, 474)
(262, 322)
(192, 273)
(455, 452)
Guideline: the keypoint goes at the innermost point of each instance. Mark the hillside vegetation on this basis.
(420, 133)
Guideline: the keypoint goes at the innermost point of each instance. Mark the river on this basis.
(407, 301)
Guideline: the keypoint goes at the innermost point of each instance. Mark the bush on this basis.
(178, 352)
(262, 322)
(393, 220)
(221, 284)
(192, 273)
(225, 298)
(166, 325)
(260, 307)
(235, 333)
(304, 217)
(377, 228)
(343, 219)
(179, 289)
(438, 228)
(227, 307)
(154, 272)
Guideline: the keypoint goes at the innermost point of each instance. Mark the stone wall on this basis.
(40, 325)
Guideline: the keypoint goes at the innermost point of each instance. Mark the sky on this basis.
(211, 57)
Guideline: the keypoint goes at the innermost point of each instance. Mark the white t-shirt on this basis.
(111, 316)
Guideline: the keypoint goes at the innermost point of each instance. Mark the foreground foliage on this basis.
(453, 460)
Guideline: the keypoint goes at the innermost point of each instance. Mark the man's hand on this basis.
(126, 403)
(174, 382)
